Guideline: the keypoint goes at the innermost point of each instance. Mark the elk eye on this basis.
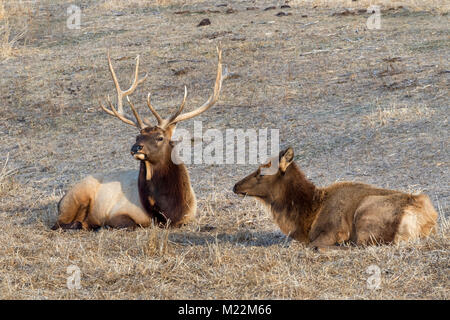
(160, 139)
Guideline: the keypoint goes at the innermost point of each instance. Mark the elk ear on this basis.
(286, 158)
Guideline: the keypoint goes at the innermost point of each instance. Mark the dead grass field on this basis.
(318, 75)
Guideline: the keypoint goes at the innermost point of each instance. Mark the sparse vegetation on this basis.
(384, 116)
(7, 183)
(14, 19)
(358, 104)
(414, 5)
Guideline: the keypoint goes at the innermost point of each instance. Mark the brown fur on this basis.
(74, 207)
(165, 193)
(161, 191)
(340, 213)
(165, 196)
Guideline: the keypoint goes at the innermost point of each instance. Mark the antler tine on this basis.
(157, 116)
(221, 75)
(136, 115)
(136, 80)
(180, 109)
(120, 92)
(116, 114)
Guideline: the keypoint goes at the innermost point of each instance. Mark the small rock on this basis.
(285, 6)
(180, 72)
(234, 76)
(207, 228)
(282, 14)
(270, 8)
(204, 22)
(238, 39)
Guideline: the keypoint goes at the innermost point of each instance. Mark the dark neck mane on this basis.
(162, 196)
(296, 200)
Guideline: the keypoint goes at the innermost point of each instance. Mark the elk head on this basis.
(153, 144)
(265, 184)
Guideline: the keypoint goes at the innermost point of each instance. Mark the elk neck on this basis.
(163, 194)
(297, 200)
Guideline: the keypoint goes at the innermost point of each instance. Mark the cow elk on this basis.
(342, 213)
(159, 192)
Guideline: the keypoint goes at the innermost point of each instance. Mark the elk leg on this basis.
(122, 221)
(376, 220)
(71, 217)
(74, 206)
(323, 242)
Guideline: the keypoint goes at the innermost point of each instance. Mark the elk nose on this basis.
(234, 189)
(136, 148)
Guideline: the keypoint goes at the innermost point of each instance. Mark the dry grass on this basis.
(155, 263)
(384, 116)
(323, 80)
(126, 4)
(15, 17)
(7, 182)
(415, 5)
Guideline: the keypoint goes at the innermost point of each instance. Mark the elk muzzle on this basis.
(237, 189)
(136, 152)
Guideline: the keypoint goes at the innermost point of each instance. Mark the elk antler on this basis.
(177, 117)
(120, 94)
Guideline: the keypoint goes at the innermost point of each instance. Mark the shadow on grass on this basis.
(244, 238)
(47, 215)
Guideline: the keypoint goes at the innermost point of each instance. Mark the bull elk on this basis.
(159, 192)
(344, 212)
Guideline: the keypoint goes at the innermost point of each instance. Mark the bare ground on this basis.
(318, 75)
